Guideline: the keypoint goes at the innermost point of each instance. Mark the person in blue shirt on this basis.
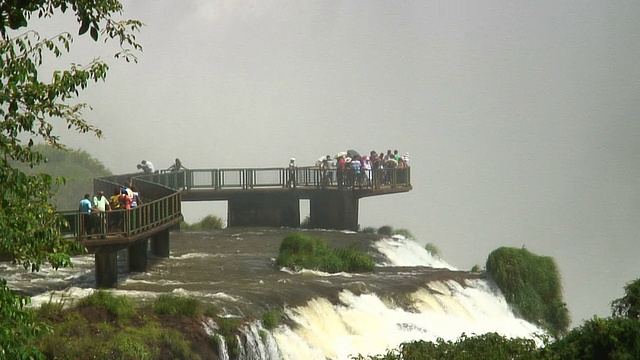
(85, 215)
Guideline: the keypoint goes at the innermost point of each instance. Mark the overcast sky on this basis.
(521, 117)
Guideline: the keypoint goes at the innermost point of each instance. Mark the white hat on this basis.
(292, 159)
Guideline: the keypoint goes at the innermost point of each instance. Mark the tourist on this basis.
(341, 167)
(366, 170)
(327, 174)
(101, 202)
(85, 215)
(100, 206)
(356, 172)
(146, 167)
(177, 166)
(135, 198)
(115, 218)
(291, 178)
(125, 200)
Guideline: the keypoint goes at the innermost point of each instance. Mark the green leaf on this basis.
(94, 33)
(84, 27)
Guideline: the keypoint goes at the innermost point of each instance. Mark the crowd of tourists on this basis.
(349, 169)
(98, 216)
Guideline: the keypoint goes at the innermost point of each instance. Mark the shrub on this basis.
(209, 222)
(432, 249)
(306, 223)
(531, 284)
(300, 251)
(404, 232)
(385, 230)
(486, 346)
(170, 304)
(611, 338)
(119, 306)
(476, 268)
(270, 319)
(369, 230)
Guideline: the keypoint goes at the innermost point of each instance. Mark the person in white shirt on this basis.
(147, 167)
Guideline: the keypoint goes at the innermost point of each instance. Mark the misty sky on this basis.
(521, 117)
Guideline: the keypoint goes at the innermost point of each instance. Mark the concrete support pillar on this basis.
(137, 256)
(160, 244)
(267, 209)
(334, 209)
(106, 269)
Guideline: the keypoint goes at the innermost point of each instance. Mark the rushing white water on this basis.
(367, 324)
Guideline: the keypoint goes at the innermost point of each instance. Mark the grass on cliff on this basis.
(301, 251)
(531, 285)
(104, 326)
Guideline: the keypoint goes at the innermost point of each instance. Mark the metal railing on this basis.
(162, 189)
(125, 223)
(279, 177)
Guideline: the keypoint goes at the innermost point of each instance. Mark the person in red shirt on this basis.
(125, 200)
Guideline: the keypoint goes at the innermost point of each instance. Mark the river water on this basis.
(411, 295)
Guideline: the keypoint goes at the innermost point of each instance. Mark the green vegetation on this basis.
(271, 319)
(34, 97)
(404, 232)
(476, 268)
(106, 326)
(209, 222)
(629, 305)
(531, 285)
(306, 222)
(385, 230)
(177, 305)
(78, 168)
(116, 306)
(433, 250)
(369, 230)
(487, 346)
(301, 251)
(388, 230)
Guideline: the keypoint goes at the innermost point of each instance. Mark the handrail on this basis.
(251, 178)
(125, 223)
(163, 191)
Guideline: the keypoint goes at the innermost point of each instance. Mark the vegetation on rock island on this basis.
(31, 102)
(209, 222)
(298, 250)
(531, 285)
(389, 230)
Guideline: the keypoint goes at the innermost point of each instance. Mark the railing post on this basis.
(189, 179)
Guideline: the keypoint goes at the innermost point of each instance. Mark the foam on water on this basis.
(404, 252)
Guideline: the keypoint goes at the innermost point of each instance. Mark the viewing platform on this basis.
(254, 196)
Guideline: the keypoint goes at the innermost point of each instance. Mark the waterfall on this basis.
(223, 353)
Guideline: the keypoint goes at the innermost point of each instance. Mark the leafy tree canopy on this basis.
(30, 105)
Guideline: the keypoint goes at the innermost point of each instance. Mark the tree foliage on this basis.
(78, 168)
(29, 108)
(629, 305)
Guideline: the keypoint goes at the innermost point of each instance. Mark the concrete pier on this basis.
(160, 244)
(334, 209)
(264, 209)
(137, 256)
(106, 269)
